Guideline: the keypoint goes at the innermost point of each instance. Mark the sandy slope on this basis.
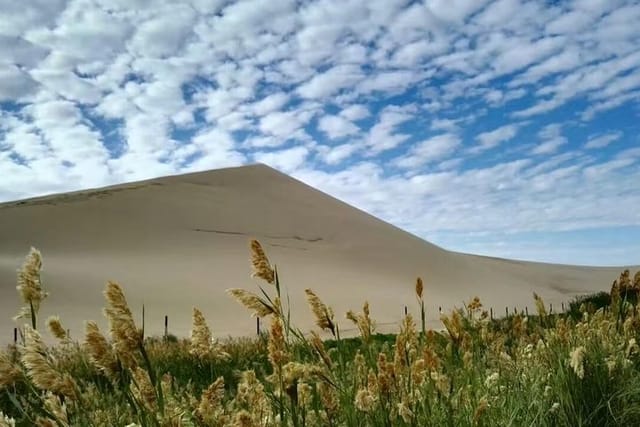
(180, 241)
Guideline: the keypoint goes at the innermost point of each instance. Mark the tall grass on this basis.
(579, 369)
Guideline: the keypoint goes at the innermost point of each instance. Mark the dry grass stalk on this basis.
(6, 421)
(259, 306)
(10, 373)
(200, 335)
(362, 321)
(210, 408)
(540, 308)
(56, 329)
(576, 361)
(318, 346)
(30, 286)
(100, 352)
(261, 265)
(56, 407)
(40, 369)
(276, 346)
(127, 339)
(143, 389)
(323, 314)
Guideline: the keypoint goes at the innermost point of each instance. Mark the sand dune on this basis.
(180, 241)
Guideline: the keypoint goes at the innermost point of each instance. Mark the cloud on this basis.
(382, 135)
(164, 34)
(391, 81)
(430, 150)
(269, 104)
(355, 112)
(334, 155)
(492, 139)
(331, 81)
(602, 141)
(15, 84)
(337, 127)
(551, 140)
(210, 149)
(287, 160)
(373, 100)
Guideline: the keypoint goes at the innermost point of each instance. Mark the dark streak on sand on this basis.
(76, 196)
(275, 245)
(239, 233)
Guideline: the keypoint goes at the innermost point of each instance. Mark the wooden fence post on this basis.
(258, 325)
(166, 326)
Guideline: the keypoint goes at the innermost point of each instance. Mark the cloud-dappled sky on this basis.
(499, 127)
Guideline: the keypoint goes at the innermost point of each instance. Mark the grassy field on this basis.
(580, 368)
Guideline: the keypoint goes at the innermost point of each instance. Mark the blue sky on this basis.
(499, 127)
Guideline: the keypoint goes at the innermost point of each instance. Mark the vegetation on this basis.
(579, 369)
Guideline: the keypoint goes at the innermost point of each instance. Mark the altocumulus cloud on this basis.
(502, 127)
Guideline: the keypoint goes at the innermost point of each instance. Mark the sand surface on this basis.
(178, 242)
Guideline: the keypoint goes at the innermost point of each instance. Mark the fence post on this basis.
(143, 321)
(506, 311)
(405, 310)
(491, 312)
(526, 310)
(166, 325)
(258, 325)
(562, 305)
(550, 308)
(15, 336)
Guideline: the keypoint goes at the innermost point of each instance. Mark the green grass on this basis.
(580, 368)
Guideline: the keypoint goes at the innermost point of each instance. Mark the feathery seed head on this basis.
(56, 329)
(365, 400)
(328, 398)
(143, 389)
(259, 306)
(40, 369)
(404, 412)
(318, 346)
(9, 371)
(210, 408)
(483, 404)
(6, 421)
(323, 314)
(540, 308)
(100, 352)
(362, 321)
(127, 339)
(276, 347)
(261, 265)
(56, 407)
(200, 335)
(419, 288)
(30, 284)
(576, 361)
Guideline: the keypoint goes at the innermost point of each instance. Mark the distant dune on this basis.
(180, 241)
